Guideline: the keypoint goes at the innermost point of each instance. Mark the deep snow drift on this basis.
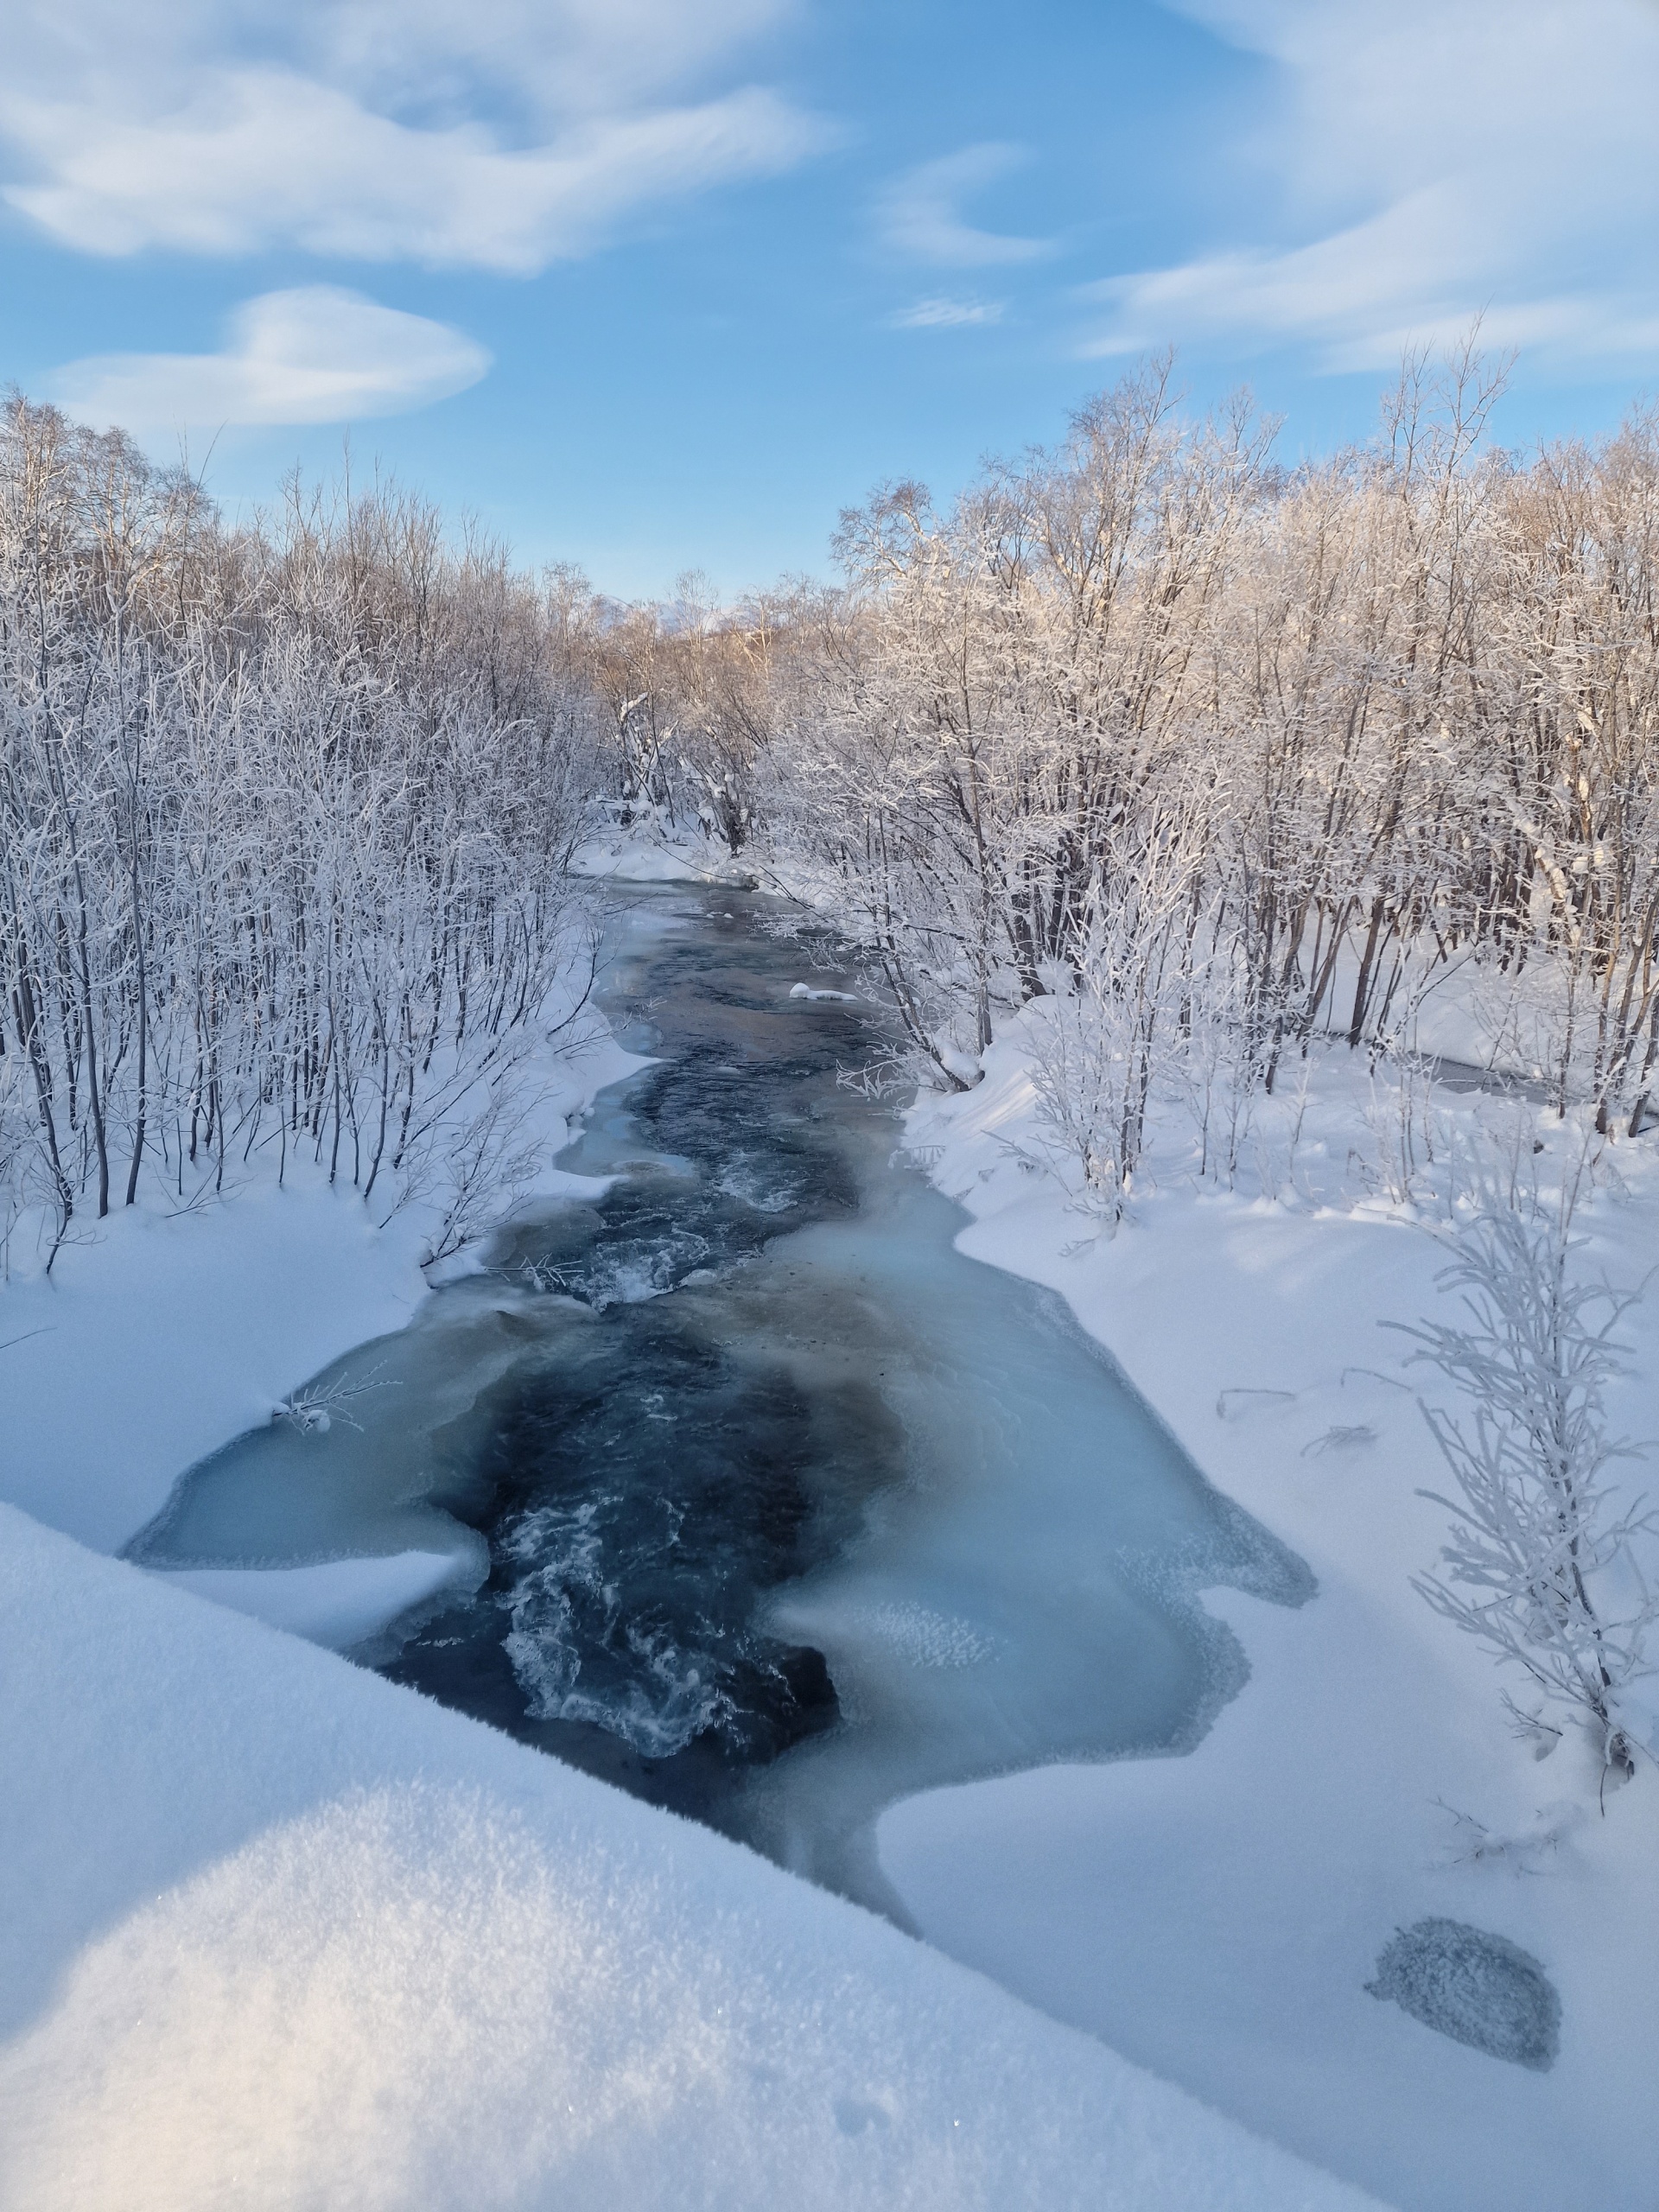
(278, 1933)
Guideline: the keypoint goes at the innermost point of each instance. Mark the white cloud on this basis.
(942, 314)
(317, 354)
(501, 134)
(920, 215)
(1431, 162)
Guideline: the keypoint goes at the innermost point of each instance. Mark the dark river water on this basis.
(765, 1503)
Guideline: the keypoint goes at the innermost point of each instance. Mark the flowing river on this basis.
(759, 1500)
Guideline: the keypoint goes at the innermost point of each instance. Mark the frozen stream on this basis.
(746, 1490)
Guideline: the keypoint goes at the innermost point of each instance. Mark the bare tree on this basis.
(286, 813)
(1541, 1564)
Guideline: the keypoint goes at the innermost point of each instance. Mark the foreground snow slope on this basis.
(278, 1933)
(1216, 1916)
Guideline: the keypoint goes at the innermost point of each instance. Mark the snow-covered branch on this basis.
(1541, 1563)
(285, 821)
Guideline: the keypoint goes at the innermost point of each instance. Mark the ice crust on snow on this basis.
(165, 1337)
(357, 1952)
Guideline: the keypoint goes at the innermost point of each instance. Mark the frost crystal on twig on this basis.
(315, 1409)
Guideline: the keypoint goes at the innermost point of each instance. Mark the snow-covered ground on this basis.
(159, 1336)
(339, 1602)
(280, 1935)
(168, 1328)
(1218, 1915)
(647, 850)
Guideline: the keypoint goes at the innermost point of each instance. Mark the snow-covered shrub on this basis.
(1542, 1562)
(1123, 1008)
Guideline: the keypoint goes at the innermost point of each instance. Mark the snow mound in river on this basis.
(281, 1934)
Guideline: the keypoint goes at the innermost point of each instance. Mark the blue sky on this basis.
(658, 284)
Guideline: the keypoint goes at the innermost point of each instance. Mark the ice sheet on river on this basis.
(790, 1509)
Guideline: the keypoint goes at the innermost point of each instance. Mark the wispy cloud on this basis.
(942, 314)
(316, 355)
(1438, 160)
(919, 214)
(505, 134)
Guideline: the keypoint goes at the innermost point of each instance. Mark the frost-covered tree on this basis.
(284, 808)
(284, 817)
(1406, 698)
(1540, 1565)
(1097, 1037)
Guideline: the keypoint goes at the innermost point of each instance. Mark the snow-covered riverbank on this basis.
(283, 1820)
(163, 1332)
(1218, 1916)
(285, 1933)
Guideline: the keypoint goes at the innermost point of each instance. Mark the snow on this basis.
(338, 1602)
(650, 851)
(629, 860)
(806, 991)
(356, 1951)
(1218, 1915)
(159, 1337)
(163, 1332)
(291, 1936)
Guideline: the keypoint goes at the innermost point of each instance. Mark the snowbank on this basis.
(339, 1602)
(645, 852)
(160, 1334)
(1216, 1916)
(354, 1950)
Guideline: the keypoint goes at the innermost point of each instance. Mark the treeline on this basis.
(285, 810)
(1208, 756)
(1224, 757)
